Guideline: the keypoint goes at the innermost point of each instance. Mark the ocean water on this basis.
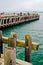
(35, 29)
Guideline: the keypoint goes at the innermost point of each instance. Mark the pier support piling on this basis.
(28, 44)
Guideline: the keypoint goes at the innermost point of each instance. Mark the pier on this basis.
(13, 42)
(7, 20)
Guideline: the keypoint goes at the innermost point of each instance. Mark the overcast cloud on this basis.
(21, 5)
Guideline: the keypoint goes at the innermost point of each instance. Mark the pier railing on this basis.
(13, 42)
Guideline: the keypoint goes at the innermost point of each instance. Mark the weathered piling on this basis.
(12, 53)
(1, 45)
(28, 45)
(9, 56)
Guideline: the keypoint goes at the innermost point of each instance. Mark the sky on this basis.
(21, 5)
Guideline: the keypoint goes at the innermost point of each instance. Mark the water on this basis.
(35, 29)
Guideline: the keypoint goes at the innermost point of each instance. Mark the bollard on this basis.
(28, 44)
(9, 56)
(1, 45)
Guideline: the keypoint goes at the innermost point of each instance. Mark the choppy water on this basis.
(35, 29)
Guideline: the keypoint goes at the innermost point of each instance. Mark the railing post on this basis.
(11, 51)
(1, 45)
(12, 40)
(13, 34)
(28, 44)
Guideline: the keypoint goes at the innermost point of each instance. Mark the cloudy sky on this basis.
(21, 5)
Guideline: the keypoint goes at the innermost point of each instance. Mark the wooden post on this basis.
(1, 45)
(12, 42)
(28, 44)
(13, 35)
(9, 56)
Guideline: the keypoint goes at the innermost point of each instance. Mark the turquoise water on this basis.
(35, 29)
